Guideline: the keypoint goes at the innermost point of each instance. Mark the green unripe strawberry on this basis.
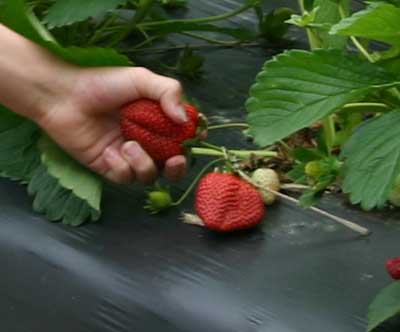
(314, 169)
(158, 200)
(269, 179)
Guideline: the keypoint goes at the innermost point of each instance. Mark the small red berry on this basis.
(393, 267)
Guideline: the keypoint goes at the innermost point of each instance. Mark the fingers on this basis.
(163, 89)
(175, 168)
(130, 162)
(134, 163)
(118, 169)
(107, 89)
(139, 161)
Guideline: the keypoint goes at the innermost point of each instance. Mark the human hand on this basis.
(84, 120)
(78, 107)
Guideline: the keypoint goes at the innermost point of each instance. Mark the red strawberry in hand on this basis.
(227, 203)
(393, 267)
(145, 122)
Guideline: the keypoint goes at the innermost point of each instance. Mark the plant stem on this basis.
(141, 12)
(97, 35)
(211, 146)
(210, 40)
(312, 38)
(329, 131)
(328, 122)
(375, 106)
(393, 91)
(354, 40)
(198, 177)
(362, 49)
(200, 20)
(237, 153)
(40, 28)
(229, 125)
(180, 47)
(145, 42)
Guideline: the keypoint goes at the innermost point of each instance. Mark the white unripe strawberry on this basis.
(266, 178)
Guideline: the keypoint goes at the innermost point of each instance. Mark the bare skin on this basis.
(78, 107)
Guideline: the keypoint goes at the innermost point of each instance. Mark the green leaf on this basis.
(70, 174)
(305, 19)
(372, 160)
(71, 194)
(57, 202)
(385, 306)
(274, 26)
(297, 88)
(380, 21)
(18, 154)
(311, 196)
(18, 16)
(89, 57)
(392, 65)
(297, 174)
(65, 12)
(329, 13)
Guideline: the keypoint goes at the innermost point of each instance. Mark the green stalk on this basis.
(354, 40)
(328, 122)
(198, 177)
(367, 107)
(40, 28)
(329, 132)
(141, 12)
(237, 153)
(143, 43)
(211, 146)
(210, 40)
(99, 32)
(156, 50)
(393, 91)
(229, 125)
(146, 5)
(312, 37)
(201, 19)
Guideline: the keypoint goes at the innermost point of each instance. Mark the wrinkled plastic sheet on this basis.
(297, 272)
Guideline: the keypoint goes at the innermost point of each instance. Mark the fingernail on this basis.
(182, 114)
(132, 150)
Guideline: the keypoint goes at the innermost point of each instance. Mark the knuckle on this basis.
(141, 71)
(175, 86)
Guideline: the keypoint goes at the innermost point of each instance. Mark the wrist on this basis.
(35, 81)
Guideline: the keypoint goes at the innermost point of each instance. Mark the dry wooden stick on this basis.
(353, 226)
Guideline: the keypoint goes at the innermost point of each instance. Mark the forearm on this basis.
(29, 75)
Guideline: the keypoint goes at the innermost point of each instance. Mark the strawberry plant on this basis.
(345, 89)
(108, 33)
(325, 118)
(343, 96)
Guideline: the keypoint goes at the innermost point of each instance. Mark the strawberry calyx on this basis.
(158, 200)
(202, 124)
